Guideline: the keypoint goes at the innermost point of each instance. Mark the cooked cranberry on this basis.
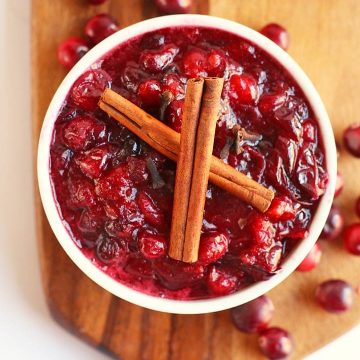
(277, 34)
(81, 192)
(243, 89)
(150, 210)
(339, 184)
(195, 63)
(312, 259)
(261, 229)
(71, 50)
(334, 224)
(88, 88)
(172, 82)
(139, 267)
(270, 102)
(108, 250)
(357, 207)
(137, 169)
(82, 132)
(149, 92)
(100, 27)
(212, 247)
(157, 60)
(275, 343)
(152, 246)
(174, 6)
(352, 238)
(334, 295)
(352, 139)
(281, 209)
(173, 114)
(253, 316)
(96, 2)
(216, 63)
(221, 281)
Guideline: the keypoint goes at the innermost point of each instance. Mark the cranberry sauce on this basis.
(115, 192)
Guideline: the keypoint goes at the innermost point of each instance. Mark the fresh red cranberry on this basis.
(88, 88)
(334, 295)
(96, 2)
(108, 250)
(212, 247)
(94, 161)
(275, 343)
(334, 224)
(195, 63)
(281, 208)
(100, 27)
(277, 34)
(173, 114)
(357, 207)
(253, 316)
(82, 132)
(243, 89)
(174, 6)
(352, 139)
(149, 92)
(339, 184)
(152, 246)
(220, 281)
(157, 60)
(71, 50)
(150, 210)
(311, 260)
(352, 239)
(216, 63)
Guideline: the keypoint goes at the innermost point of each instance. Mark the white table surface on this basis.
(26, 329)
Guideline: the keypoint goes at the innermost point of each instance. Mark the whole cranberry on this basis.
(281, 208)
(149, 92)
(174, 6)
(352, 139)
(100, 27)
(312, 259)
(275, 343)
(108, 250)
(71, 50)
(96, 2)
(334, 224)
(339, 184)
(173, 114)
(352, 239)
(243, 89)
(277, 34)
(195, 63)
(220, 281)
(152, 246)
(334, 295)
(253, 316)
(357, 207)
(212, 247)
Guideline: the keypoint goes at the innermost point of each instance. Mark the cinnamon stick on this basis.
(184, 169)
(210, 107)
(167, 141)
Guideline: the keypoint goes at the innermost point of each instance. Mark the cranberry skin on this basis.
(96, 2)
(334, 224)
(152, 246)
(149, 92)
(253, 316)
(352, 239)
(88, 88)
(334, 295)
(82, 132)
(311, 260)
(357, 207)
(277, 34)
(243, 89)
(150, 210)
(352, 139)
(71, 50)
(212, 247)
(220, 281)
(174, 6)
(339, 184)
(100, 27)
(108, 250)
(275, 343)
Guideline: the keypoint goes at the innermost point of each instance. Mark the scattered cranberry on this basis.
(334, 224)
(243, 89)
(88, 88)
(277, 34)
(221, 281)
(149, 92)
(212, 247)
(275, 343)
(334, 295)
(352, 139)
(352, 238)
(152, 246)
(357, 207)
(100, 27)
(312, 259)
(174, 6)
(339, 184)
(96, 2)
(71, 50)
(253, 316)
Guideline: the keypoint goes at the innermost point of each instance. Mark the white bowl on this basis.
(136, 297)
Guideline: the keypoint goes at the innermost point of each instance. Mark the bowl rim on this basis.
(172, 305)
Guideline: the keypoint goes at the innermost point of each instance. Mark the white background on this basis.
(26, 329)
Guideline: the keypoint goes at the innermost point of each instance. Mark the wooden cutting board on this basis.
(325, 41)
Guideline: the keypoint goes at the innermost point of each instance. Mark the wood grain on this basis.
(325, 41)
